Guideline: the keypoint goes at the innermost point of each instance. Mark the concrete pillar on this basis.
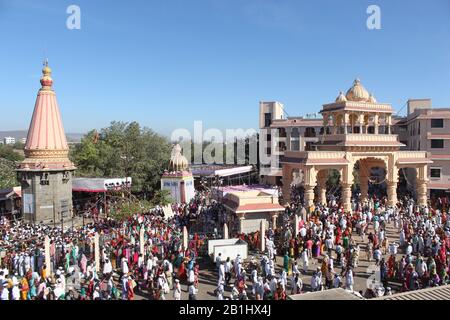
(262, 242)
(274, 221)
(347, 196)
(142, 241)
(185, 238)
(422, 199)
(392, 193)
(322, 186)
(364, 186)
(309, 196)
(376, 123)
(97, 252)
(241, 217)
(287, 180)
(225, 231)
(47, 256)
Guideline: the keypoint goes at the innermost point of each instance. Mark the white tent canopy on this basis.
(99, 184)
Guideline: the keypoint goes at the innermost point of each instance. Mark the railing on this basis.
(362, 137)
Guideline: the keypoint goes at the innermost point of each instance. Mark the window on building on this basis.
(295, 145)
(437, 143)
(269, 137)
(295, 133)
(437, 123)
(269, 151)
(310, 132)
(267, 119)
(435, 173)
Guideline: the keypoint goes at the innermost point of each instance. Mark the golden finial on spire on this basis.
(46, 70)
(46, 79)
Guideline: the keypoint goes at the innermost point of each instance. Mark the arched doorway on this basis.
(328, 185)
(370, 178)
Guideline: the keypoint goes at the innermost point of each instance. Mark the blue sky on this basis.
(167, 63)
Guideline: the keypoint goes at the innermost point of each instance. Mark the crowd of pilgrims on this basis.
(337, 240)
(125, 269)
(331, 242)
(328, 247)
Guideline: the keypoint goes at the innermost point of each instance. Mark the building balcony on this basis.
(355, 138)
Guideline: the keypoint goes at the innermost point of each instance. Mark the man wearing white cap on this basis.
(177, 290)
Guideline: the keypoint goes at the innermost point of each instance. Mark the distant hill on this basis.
(20, 134)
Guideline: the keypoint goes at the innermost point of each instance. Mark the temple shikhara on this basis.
(46, 173)
(178, 180)
(357, 135)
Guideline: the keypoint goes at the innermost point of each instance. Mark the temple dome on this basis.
(372, 99)
(341, 97)
(178, 162)
(357, 92)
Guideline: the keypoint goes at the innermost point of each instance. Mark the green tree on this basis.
(124, 149)
(7, 174)
(161, 198)
(7, 152)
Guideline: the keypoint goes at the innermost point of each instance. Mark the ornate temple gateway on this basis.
(46, 173)
(357, 134)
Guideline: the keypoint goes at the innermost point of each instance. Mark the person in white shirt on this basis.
(337, 282)
(273, 284)
(177, 290)
(191, 276)
(254, 277)
(125, 269)
(5, 292)
(393, 248)
(305, 260)
(218, 261)
(220, 290)
(237, 267)
(222, 272)
(316, 280)
(192, 292)
(227, 271)
(107, 267)
(297, 284)
(377, 255)
(283, 279)
(15, 292)
(349, 281)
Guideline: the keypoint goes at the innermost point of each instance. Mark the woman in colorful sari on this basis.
(182, 270)
(345, 241)
(286, 262)
(24, 288)
(32, 283)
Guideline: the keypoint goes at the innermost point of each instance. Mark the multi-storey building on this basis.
(9, 140)
(293, 133)
(424, 128)
(428, 129)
